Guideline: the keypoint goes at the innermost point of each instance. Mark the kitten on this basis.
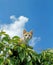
(26, 37)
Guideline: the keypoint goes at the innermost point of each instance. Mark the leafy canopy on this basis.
(13, 53)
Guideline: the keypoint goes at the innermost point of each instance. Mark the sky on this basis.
(36, 15)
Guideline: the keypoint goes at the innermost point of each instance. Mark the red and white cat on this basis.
(26, 37)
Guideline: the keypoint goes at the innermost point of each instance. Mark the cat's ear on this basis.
(31, 32)
(24, 31)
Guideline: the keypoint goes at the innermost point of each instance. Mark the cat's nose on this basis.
(27, 37)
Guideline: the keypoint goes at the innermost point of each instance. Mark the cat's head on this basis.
(27, 35)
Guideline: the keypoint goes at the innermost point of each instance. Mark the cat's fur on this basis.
(26, 36)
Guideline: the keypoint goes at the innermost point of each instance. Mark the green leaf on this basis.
(2, 33)
(33, 56)
(22, 55)
(19, 49)
(23, 45)
(17, 62)
(5, 38)
(16, 38)
(29, 63)
(28, 58)
(10, 61)
(1, 60)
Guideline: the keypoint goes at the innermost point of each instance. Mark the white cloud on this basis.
(16, 27)
(34, 41)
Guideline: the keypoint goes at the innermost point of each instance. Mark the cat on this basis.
(26, 37)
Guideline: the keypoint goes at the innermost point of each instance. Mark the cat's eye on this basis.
(29, 35)
(25, 35)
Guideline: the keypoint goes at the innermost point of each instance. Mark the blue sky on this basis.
(40, 14)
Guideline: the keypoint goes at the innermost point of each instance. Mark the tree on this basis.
(13, 53)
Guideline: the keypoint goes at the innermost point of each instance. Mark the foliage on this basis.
(13, 53)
